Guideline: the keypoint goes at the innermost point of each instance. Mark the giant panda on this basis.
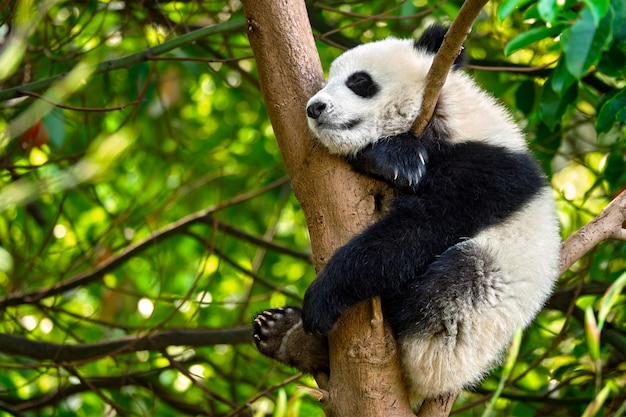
(468, 250)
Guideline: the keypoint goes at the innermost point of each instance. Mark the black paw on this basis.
(398, 160)
(270, 327)
(278, 334)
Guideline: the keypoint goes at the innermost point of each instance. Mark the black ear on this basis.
(431, 41)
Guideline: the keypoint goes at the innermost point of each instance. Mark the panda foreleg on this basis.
(367, 267)
(278, 334)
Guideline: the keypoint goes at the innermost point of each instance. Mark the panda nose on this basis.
(315, 109)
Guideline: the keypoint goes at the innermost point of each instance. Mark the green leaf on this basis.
(530, 37)
(613, 62)
(610, 298)
(553, 106)
(594, 406)
(598, 9)
(584, 43)
(546, 145)
(615, 170)
(6, 261)
(611, 112)
(593, 334)
(548, 10)
(508, 6)
(55, 124)
(618, 7)
(561, 80)
(525, 96)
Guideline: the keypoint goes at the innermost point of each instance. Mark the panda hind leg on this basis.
(278, 334)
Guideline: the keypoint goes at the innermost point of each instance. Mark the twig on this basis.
(96, 390)
(448, 52)
(237, 411)
(16, 405)
(194, 380)
(81, 109)
(22, 346)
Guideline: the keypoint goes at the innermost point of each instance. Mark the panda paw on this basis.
(270, 327)
(278, 334)
(398, 160)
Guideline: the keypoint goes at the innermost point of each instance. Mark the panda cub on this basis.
(469, 248)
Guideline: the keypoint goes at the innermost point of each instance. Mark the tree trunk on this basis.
(365, 373)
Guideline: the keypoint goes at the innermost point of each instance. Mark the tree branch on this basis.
(449, 51)
(141, 380)
(113, 262)
(608, 224)
(22, 346)
(127, 61)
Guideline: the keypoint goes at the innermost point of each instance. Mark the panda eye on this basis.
(361, 84)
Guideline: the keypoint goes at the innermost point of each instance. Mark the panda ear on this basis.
(431, 41)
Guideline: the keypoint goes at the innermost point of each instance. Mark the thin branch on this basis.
(258, 241)
(619, 234)
(81, 109)
(113, 262)
(140, 380)
(192, 378)
(127, 61)
(199, 59)
(515, 69)
(96, 390)
(10, 409)
(608, 224)
(237, 411)
(445, 57)
(22, 346)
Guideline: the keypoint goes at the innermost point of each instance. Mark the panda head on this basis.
(373, 91)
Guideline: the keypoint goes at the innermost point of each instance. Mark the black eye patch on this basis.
(362, 85)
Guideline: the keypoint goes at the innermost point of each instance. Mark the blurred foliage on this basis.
(146, 214)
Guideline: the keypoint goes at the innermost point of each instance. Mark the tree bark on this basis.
(365, 372)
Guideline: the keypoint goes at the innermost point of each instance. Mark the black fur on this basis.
(467, 188)
(431, 41)
(458, 281)
(362, 84)
(398, 160)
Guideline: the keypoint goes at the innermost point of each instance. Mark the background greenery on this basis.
(146, 216)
